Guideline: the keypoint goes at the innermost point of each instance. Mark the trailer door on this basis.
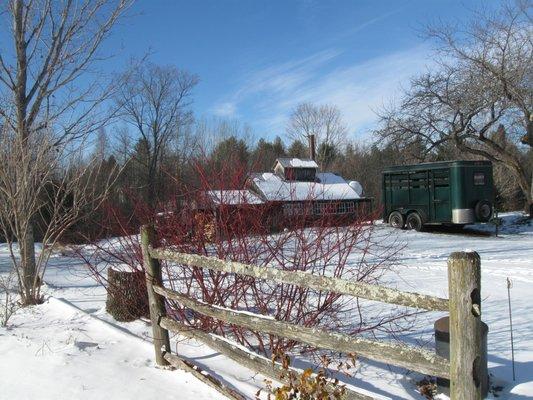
(440, 195)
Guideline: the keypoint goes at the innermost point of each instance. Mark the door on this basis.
(440, 188)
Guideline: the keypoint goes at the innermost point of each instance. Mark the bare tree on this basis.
(323, 121)
(48, 188)
(482, 89)
(155, 100)
(44, 106)
(527, 140)
(209, 132)
(8, 298)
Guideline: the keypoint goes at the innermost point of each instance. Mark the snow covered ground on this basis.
(70, 348)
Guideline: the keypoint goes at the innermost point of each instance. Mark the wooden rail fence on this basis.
(464, 307)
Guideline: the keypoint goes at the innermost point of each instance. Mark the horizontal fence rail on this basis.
(307, 280)
(464, 371)
(209, 380)
(400, 355)
(250, 360)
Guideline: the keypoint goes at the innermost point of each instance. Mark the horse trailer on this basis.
(439, 193)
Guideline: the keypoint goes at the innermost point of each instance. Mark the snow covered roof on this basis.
(327, 187)
(233, 197)
(297, 163)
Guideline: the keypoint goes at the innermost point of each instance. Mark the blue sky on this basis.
(257, 59)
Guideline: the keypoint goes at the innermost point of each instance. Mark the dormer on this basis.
(296, 169)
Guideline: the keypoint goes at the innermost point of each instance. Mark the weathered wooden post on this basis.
(156, 302)
(464, 282)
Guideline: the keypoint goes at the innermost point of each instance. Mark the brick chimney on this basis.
(312, 150)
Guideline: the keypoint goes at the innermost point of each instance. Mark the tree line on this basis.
(351, 160)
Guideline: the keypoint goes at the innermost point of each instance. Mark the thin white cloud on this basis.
(226, 109)
(368, 23)
(269, 94)
(285, 76)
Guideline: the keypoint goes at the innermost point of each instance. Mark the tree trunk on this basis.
(531, 199)
(527, 187)
(31, 281)
(153, 181)
(516, 168)
(127, 299)
(30, 292)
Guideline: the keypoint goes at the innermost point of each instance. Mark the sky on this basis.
(258, 59)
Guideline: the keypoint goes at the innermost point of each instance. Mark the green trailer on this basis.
(439, 193)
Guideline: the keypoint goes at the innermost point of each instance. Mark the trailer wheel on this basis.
(414, 221)
(396, 220)
(483, 210)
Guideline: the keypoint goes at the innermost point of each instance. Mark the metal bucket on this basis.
(442, 347)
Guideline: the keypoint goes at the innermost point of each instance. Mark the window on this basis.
(293, 209)
(417, 180)
(479, 178)
(397, 181)
(441, 178)
(324, 208)
(346, 207)
(334, 208)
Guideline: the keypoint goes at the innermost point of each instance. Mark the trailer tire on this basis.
(483, 210)
(414, 221)
(396, 220)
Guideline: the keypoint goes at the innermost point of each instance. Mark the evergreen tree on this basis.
(298, 149)
(265, 154)
(231, 150)
(326, 155)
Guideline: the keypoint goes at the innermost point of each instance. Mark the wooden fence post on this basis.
(464, 283)
(156, 302)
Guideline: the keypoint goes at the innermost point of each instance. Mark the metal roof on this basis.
(435, 165)
(329, 186)
(233, 197)
(297, 162)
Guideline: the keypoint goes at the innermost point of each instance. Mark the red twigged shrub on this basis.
(116, 263)
(209, 221)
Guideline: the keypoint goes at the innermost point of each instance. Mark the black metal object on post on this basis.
(509, 286)
(442, 348)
